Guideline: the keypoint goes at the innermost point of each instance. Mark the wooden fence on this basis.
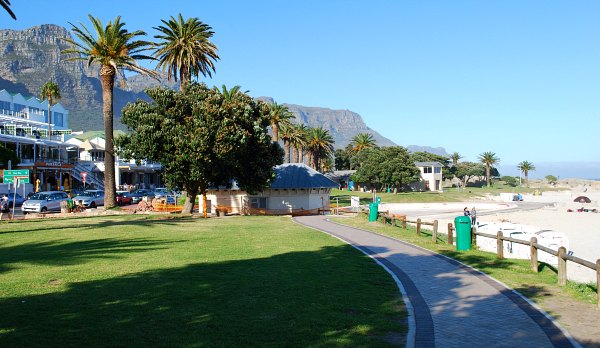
(397, 220)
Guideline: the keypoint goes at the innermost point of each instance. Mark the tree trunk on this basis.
(275, 131)
(190, 200)
(107, 75)
(298, 154)
(487, 175)
(287, 149)
(49, 117)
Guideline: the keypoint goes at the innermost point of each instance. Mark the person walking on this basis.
(473, 217)
(4, 207)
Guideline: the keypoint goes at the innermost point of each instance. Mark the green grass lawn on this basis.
(137, 281)
(514, 273)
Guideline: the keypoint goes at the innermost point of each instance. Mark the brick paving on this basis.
(453, 305)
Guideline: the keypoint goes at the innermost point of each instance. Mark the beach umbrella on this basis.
(582, 199)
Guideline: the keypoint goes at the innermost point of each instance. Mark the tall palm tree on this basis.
(298, 140)
(228, 94)
(455, 157)
(280, 114)
(489, 159)
(362, 141)
(116, 50)
(287, 132)
(6, 5)
(525, 167)
(185, 49)
(50, 92)
(320, 145)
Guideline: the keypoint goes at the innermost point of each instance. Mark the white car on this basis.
(90, 199)
(42, 202)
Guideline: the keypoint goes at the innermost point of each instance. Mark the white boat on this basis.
(548, 238)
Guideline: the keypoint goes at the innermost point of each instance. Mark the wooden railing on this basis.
(398, 220)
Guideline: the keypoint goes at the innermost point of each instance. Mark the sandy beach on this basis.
(581, 228)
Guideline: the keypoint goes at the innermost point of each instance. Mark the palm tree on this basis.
(319, 145)
(116, 50)
(489, 159)
(362, 141)
(298, 140)
(185, 50)
(280, 114)
(455, 157)
(6, 5)
(228, 94)
(287, 132)
(525, 167)
(50, 92)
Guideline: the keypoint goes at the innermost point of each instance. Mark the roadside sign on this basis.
(21, 174)
(83, 176)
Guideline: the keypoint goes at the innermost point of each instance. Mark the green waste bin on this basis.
(373, 207)
(378, 199)
(463, 232)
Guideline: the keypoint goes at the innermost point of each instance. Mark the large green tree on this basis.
(185, 50)
(343, 157)
(51, 92)
(525, 167)
(202, 138)
(6, 155)
(116, 50)
(468, 170)
(490, 160)
(455, 157)
(298, 140)
(390, 166)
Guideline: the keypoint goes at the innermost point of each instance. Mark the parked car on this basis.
(42, 202)
(15, 202)
(123, 197)
(138, 195)
(90, 199)
(160, 192)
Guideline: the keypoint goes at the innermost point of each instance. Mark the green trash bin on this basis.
(373, 209)
(463, 232)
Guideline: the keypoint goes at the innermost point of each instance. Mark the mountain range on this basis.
(33, 56)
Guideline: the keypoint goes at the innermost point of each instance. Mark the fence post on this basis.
(499, 245)
(450, 236)
(404, 222)
(473, 236)
(562, 266)
(435, 230)
(598, 281)
(393, 220)
(533, 251)
(384, 218)
(418, 226)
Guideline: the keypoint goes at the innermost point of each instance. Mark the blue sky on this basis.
(518, 78)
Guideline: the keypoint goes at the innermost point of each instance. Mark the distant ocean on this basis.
(562, 170)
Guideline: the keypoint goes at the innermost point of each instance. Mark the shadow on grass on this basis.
(292, 299)
(93, 222)
(61, 252)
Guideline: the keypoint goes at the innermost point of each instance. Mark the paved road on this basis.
(453, 305)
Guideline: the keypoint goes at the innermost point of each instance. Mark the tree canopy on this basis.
(202, 138)
(390, 166)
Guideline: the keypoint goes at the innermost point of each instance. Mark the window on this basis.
(437, 170)
(4, 105)
(258, 202)
(58, 118)
(427, 170)
(18, 107)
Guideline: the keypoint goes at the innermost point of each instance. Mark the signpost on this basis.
(21, 174)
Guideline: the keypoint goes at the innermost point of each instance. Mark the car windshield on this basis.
(39, 197)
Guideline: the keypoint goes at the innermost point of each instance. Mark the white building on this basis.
(431, 176)
(296, 189)
(24, 130)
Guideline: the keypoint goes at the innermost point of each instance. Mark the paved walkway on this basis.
(453, 305)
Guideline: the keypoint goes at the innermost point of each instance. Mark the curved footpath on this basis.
(452, 304)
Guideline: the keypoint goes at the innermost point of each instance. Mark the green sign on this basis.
(21, 174)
